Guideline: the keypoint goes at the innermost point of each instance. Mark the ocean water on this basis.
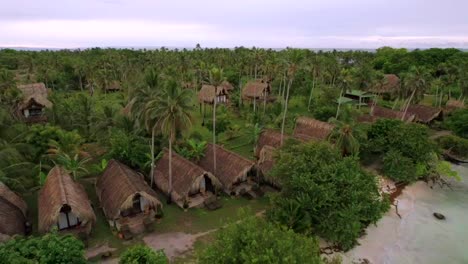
(418, 237)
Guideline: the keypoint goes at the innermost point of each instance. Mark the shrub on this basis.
(142, 255)
(457, 145)
(458, 122)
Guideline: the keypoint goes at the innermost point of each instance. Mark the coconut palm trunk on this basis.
(214, 130)
(152, 156)
(285, 110)
(407, 105)
(311, 93)
(170, 163)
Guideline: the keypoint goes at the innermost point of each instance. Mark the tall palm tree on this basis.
(216, 77)
(344, 134)
(170, 113)
(293, 64)
(416, 81)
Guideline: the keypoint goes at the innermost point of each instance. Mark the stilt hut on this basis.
(206, 95)
(235, 172)
(425, 114)
(311, 129)
(192, 186)
(64, 204)
(128, 202)
(32, 107)
(259, 90)
(13, 212)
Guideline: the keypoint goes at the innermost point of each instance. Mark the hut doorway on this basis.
(209, 186)
(67, 219)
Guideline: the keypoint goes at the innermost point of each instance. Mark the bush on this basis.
(50, 248)
(130, 149)
(143, 255)
(458, 122)
(324, 193)
(457, 145)
(254, 240)
(396, 141)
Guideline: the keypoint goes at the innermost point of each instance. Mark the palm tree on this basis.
(344, 134)
(170, 113)
(291, 73)
(216, 77)
(416, 81)
(73, 164)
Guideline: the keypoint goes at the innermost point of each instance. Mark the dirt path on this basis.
(439, 134)
(176, 244)
(98, 250)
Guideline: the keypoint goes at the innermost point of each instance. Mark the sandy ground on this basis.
(418, 237)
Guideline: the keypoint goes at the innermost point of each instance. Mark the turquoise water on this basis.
(418, 237)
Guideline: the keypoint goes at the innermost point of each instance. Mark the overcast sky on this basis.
(218, 23)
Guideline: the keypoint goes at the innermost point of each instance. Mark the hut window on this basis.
(35, 111)
(221, 99)
(67, 219)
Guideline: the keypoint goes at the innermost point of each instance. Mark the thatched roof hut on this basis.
(266, 163)
(187, 178)
(227, 86)
(454, 105)
(63, 203)
(382, 112)
(13, 211)
(269, 137)
(206, 95)
(256, 89)
(114, 86)
(34, 93)
(424, 114)
(117, 187)
(311, 129)
(231, 168)
(389, 85)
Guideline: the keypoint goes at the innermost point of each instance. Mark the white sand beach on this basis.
(418, 237)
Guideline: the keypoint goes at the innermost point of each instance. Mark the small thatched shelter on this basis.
(259, 90)
(126, 199)
(34, 102)
(388, 87)
(114, 86)
(206, 95)
(64, 204)
(311, 129)
(13, 211)
(269, 137)
(453, 105)
(424, 114)
(191, 185)
(266, 163)
(227, 86)
(233, 171)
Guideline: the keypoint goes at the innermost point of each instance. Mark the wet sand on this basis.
(418, 237)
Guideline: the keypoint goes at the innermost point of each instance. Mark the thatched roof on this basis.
(269, 137)
(230, 166)
(113, 86)
(424, 114)
(266, 163)
(184, 175)
(454, 104)
(34, 92)
(255, 89)
(12, 212)
(206, 93)
(117, 187)
(390, 84)
(311, 129)
(227, 86)
(382, 112)
(59, 190)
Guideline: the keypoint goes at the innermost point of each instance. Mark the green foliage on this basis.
(223, 121)
(193, 149)
(50, 248)
(458, 122)
(455, 145)
(46, 137)
(128, 148)
(401, 142)
(142, 255)
(254, 240)
(325, 194)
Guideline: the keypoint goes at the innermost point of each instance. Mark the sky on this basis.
(356, 24)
